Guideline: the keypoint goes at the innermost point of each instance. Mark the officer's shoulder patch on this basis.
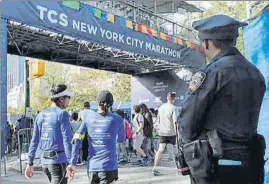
(196, 81)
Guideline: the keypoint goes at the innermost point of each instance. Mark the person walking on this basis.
(83, 113)
(52, 133)
(147, 129)
(81, 117)
(138, 136)
(166, 122)
(121, 146)
(75, 124)
(104, 130)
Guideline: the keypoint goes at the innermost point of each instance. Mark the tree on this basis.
(19, 110)
(40, 88)
(86, 95)
(80, 80)
(122, 88)
(257, 9)
(84, 82)
(235, 9)
(11, 110)
(39, 96)
(84, 86)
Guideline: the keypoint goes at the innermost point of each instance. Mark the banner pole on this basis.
(3, 85)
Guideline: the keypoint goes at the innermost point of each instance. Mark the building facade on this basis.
(15, 96)
(15, 80)
(15, 71)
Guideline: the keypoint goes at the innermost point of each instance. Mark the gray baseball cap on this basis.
(104, 97)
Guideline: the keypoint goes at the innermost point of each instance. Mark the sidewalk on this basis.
(128, 174)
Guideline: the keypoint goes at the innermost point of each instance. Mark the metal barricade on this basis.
(24, 140)
(3, 160)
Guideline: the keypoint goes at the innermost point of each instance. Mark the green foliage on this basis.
(21, 109)
(122, 88)
(40, 88)
(84, 86)
(39, 97)
(11, 110)
(85, 83)
(54, 74)
(235, 9)
(257, 9)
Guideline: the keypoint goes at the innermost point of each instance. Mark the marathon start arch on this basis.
(87, 36)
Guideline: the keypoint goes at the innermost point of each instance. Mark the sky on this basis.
(180, 18)
(203, 4)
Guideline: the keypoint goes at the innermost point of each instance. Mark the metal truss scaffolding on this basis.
(42, 44)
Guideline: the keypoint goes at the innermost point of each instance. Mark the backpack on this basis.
(148, 128)
(128, 130)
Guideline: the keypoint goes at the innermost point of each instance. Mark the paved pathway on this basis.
(128, 174)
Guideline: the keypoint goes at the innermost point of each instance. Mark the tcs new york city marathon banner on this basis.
(87, 24)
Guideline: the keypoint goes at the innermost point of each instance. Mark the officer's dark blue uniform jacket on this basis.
(103, 134)
(52, 132)
(228, 100)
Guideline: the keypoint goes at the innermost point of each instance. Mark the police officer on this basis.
(104, 130)
(53, 134)
(225, 96)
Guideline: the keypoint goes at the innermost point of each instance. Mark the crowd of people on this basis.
(217, 124)
(145, 144)
(102, 139)
(12, 131)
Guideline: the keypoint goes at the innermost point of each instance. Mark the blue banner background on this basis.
(256, 41)
(61, 20)
(3, 85)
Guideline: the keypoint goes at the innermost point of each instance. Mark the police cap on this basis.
(218, 27)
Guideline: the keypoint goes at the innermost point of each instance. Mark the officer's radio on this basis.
(179, 158)
(181, 163)
(215, 143)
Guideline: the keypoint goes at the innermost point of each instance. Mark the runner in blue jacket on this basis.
(52, 133)
(104, 129)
